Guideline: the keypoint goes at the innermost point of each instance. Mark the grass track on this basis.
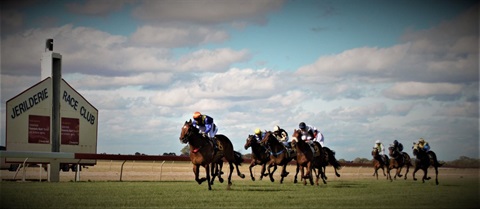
(338, 193)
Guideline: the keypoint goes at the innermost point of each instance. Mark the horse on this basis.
(379, 162)
(203, 154)
(260, 156)
(328, 158)
(305, 157)
(397, 161)
(278, 155)
(201, 151)
(423, 161)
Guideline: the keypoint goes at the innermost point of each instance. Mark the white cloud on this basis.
(417, 90)
(172, 37)
(375, 62)
(100, 8)
(206, 11)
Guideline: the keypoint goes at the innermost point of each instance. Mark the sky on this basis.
(359, 71)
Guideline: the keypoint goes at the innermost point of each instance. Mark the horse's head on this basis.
(296, 136)
(375, 152)
(250, 139)
(187, 130)
(266, 138)
(391, 151)
(416, 149)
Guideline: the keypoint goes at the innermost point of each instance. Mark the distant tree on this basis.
(185, 151)
(464, 161)
(361, 160)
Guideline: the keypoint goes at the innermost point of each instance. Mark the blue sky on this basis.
(357, 70)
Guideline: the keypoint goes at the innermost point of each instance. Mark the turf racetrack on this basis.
(175, 188)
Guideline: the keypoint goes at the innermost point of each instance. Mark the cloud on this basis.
(366, 61)
(97, 8)
(206, 11)
(173, 37)
(211, 60)
(417, 90)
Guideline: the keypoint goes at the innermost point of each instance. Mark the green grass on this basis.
(338, 193)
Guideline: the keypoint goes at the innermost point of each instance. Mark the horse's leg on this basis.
(213, 172)
(251, 173)
(230, 174)
(263, 171)
(241, 175)
(436, 175)
(406, 172)
(388, 175)
(208, 176)
(414, 171)
(425, 170)
(270, 174)
(196, 171)
(219, 170)
(310, 176)
(336, 172)
(284, 173)
(296, 174)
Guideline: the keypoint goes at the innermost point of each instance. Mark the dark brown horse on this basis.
(379, 162)
(304, 158)
(278, 155)
(201, 153)
(398, 160)
(260, 156)
(328, 158)
(423, 161)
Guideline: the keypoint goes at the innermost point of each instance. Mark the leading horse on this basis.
(203, 154)
(305, 157)
(278, 155)
(423, 161)
(398, 160)
(260, 156)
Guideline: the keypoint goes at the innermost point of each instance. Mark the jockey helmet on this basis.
(395, 142)
(258, 131)
(377, 142)
(276, 128)
(197, 115)
(302, 125)
(421, 140)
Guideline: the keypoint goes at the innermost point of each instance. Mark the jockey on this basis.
(281, 135)
(397, 146)
(379, 146)
(311, 134)
(259, 134)
(423, 145)
(206, 126)
(381, 150)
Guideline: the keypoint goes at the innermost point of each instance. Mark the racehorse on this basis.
(260, 156)
(397, 161)
(201, 151)
(328, 158)
(379, 162)
(278, 155)
(423, 161)
(305, 157)
(203, 154)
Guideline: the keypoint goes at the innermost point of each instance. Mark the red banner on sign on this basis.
(70, 131)
(38, 129)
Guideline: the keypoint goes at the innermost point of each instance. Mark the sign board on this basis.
(29, 122)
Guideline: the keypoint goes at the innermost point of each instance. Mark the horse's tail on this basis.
(433, 156)
(331, 158)
(238, 158)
